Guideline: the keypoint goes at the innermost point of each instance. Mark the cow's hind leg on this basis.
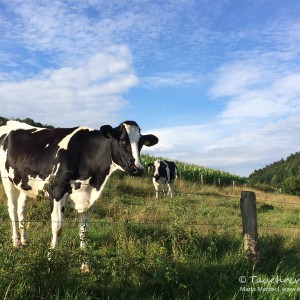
(12, 197)
(165, 189)
(22, 202)
(170, 186)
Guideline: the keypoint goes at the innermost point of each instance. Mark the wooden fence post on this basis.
(249, 219)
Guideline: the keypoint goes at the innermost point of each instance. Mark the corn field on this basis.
(195, 173)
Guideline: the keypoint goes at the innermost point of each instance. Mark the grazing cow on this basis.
(165, 172)
(75, 162)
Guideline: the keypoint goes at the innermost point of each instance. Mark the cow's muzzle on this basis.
(135, 171)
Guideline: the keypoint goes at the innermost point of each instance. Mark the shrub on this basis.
(291, 185)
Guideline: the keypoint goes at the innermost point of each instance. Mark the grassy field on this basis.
(186, 247)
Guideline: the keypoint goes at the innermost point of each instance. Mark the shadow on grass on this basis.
(135, 261)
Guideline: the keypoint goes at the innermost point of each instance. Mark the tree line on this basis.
(29, 121)
(281, 175)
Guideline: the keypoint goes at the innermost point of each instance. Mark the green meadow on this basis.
(186, 247)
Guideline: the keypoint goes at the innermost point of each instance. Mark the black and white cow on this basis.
(78, 161)
(165, 172)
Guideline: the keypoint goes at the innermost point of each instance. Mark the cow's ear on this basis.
(107, 131)
(149, 140)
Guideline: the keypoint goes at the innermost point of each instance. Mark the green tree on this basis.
(291, 185)
(275, 181)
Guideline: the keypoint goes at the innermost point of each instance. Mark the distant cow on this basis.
(165, 172)
(77, 161)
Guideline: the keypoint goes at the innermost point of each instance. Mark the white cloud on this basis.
(254, 89)
(174, 79)
(237, 77)
(67, 30)
(89, 93)
(228, 147)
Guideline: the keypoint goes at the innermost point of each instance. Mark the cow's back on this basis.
(33, 152)
(173, 169)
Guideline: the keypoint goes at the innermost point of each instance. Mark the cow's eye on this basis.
(122, 142)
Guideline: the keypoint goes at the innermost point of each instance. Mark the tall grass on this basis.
(186, 247)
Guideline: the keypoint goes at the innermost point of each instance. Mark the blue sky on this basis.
(217, 81)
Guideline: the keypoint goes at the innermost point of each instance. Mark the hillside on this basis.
(283, 174)
(186, 247)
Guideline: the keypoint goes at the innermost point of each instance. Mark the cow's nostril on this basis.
(137, 171)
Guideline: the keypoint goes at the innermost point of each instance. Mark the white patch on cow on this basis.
(11, 172)
(134, 137)
(12, 125)
(65, 141)
(83, 199)
(15, 125)
(118, 167)
(47, 146)
(156, 166)
(37, 184)
(55, 169)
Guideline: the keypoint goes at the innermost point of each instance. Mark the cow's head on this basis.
(159, 169)
(127, 142)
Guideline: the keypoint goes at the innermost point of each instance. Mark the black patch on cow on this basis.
(77, 185)
(131, 123)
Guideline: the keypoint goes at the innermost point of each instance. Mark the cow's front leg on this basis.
(84, 224)
(156, 186)
(22, 202)
(57, 219)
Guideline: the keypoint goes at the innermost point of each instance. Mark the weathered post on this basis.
(249, 219)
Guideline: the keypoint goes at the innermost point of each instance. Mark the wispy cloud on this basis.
(70, 30)
(174, 79)
(88, 93)
(254, 90)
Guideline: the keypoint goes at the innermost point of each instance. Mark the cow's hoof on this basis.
(17, 244)
(85, 268)
(25, 243)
